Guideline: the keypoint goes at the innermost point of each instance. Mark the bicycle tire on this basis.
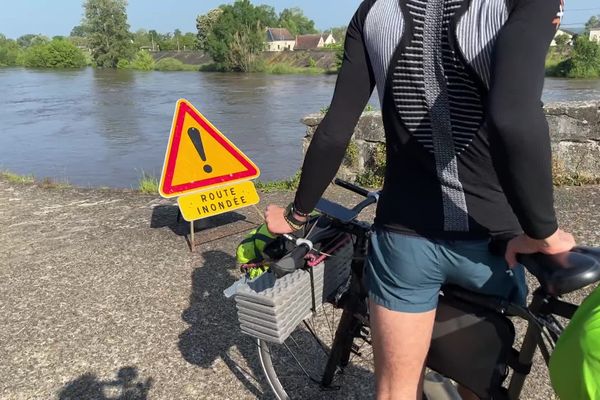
(264, 357)
(326, 366)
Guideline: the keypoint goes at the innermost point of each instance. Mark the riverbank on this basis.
(310, 62)
(99, 288)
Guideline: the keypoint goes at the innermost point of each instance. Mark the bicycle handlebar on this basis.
(352, 187)
(295, 258)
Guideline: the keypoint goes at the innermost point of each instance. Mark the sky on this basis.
(58, 17)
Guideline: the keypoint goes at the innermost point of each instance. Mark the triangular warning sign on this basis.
(199, 156)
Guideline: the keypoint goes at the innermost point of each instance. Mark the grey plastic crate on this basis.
(270, 309)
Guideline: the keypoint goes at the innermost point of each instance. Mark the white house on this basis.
(595, 33)
(280, 39)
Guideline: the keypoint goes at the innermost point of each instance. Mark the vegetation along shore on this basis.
(238, 37)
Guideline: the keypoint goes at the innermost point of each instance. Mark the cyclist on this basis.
(575, 362)
(468, 160)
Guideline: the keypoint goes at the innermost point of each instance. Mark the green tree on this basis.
(78, 31)
(10, 52)
(189, 41)
(238, 35)
(142, 61)
(31, 39)
(562, 43)
(339, 33)
(167, 41)
(294, 20)
(78, 36)
(339, 55)
(593, 22)
(177, 38)
(106, 25)
(585, 62)
(205, 24)
(141, 38)
(154, 39)
(59, 53)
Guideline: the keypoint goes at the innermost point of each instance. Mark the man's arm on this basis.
(352, 92)
(519, 136)
(325, 153)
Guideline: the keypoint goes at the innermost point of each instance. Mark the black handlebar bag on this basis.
(471, 346)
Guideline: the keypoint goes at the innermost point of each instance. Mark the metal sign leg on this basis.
(192, 236)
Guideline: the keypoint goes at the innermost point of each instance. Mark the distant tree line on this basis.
(38, 51)
(103, 39)
(232, 34)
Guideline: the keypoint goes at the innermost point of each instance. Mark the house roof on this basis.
(307, 42)
(278, 34)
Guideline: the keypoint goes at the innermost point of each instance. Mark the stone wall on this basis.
(574, 131)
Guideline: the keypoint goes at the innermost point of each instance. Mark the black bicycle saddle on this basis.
(564, 273)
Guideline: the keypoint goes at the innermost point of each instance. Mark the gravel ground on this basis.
(102, 299)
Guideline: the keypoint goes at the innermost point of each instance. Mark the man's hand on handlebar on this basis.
(559, 242)
(276, 222)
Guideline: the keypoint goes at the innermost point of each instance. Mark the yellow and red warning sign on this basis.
(200, 157)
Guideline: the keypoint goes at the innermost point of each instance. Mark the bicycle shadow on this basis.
(213, 327)
(127, 386)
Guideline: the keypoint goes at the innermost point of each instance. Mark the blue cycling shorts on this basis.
(405, 273)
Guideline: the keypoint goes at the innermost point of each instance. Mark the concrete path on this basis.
(100, 297)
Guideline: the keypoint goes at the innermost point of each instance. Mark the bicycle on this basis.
(473, 339)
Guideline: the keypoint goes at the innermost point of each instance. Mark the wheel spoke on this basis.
(314, 335)
(299, 363)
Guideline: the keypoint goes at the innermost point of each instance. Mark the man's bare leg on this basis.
(400, 346)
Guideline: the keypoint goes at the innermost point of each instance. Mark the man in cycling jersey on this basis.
(468, 160)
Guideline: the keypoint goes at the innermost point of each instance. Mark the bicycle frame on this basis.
(539, 315)
(543, 328)
(541, 306)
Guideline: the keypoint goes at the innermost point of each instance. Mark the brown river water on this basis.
(95, 127)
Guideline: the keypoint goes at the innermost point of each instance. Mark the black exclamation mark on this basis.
(194, 135)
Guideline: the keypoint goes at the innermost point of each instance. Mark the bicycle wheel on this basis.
(295, 369)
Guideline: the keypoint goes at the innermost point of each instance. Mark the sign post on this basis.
(208, 173)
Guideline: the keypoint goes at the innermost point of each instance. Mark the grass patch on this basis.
(562, 177)
(576, 179)
(351, 157)
(553, 59)
(274, 186)
(16, 178)
(374, 172)
(148, 184)
(287, 69)
(172, 64)
(49, 183)
(46, 183)
(368, 108)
